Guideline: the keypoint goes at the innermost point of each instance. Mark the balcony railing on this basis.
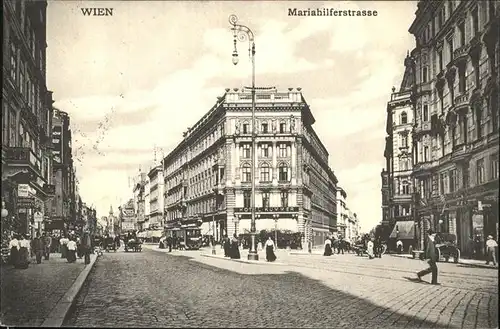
(23, 156)
(461, 101)
(460, 53)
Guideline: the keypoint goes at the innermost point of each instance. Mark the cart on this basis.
(133, 245)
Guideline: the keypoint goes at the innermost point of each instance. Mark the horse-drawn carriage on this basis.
(133, 245)
(446, 247)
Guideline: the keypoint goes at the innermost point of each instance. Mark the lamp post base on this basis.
(253, 255)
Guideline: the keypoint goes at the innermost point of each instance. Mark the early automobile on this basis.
(446, 247)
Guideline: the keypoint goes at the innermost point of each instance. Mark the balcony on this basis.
(31, 118)
(460, 55)
(23, 156)
(423, 128)
(460, 153)
(49, 189)
(423, 166)
(461, 104)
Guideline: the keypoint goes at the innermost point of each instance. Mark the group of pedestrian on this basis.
(19, 251)
(231, 247)
(74, 246)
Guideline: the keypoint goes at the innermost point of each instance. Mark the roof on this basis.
(406, 230)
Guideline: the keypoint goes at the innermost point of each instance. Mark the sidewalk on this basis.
(42, 294)
(463, 261)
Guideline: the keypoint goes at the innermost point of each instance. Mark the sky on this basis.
(134, 81)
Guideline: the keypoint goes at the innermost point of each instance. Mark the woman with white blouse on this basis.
(270, 256)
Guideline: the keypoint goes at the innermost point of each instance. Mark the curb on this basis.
(460, 262)
(255, 262)
(61, 310)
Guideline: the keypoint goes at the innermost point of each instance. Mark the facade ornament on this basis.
(292, 124)
(238, 124)
(274, 126)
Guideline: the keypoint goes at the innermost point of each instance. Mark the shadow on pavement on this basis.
(224, 298)
(478, 266)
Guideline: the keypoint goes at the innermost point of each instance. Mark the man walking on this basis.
(47, 243)
(431, 255)
(38, 248)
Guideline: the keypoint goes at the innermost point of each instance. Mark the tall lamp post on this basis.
(213, 223)
(243, 33)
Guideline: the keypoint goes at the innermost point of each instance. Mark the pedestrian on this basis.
(86, 246)
(71, 245)
(369, 248)
(169, 243)
(24, 252)
(234, 249)
(431, 255)
(399, 246)
(259, 245)
(328, 247)
(63, 241)
(227, 246)
(38, 248)
(270, 256)
(47, 242)
(14, 250)
(117, 241)
(491, 254)
(470, 247)
(340, 245)
(79, 251)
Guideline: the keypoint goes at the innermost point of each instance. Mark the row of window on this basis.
(284, 173)
(266, 150)
(450, 181)
(247, 199)
(264, 128)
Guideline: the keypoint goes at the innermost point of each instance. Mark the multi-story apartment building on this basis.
(342, 213)
(26, 115)
(209, 173)
(64, 203)
(352, 229)
(139, 199)
(397, 187)
(456, 104)
(156, 196)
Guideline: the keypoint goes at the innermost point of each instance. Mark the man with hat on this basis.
(491, 253)
(431, 255)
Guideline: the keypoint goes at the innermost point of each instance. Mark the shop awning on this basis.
(404, 230)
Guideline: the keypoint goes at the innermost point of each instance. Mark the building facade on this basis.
(342, 213)
(156, 196)
(139, 199)
(397, 182)
(64, 203)
(352, 229)
(456, 104)
(208, 175)
(26, 117)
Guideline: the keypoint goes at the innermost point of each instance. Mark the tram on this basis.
(187, 238)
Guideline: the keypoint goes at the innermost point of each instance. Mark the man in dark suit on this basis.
(431, 255)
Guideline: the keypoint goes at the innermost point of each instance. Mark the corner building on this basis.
(456, 102)
(208, 175)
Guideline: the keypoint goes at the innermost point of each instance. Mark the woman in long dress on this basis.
(328, 247)
(71, 250)
(270, 256)
(23, 260)
(14, 250)
(369, 248)
(235, 250)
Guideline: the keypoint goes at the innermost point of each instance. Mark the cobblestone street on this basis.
(186, 289)
(28, 296)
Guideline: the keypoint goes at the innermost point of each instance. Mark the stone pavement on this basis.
(185, 289)
(29, 296)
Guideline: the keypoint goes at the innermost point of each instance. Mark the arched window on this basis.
(265, 175)
(283, 175)
(246, 173)
(404, 118)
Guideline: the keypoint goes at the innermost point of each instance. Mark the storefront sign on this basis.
(27, 202)
(268, 209)
(128, 226)
(38, 217)
(23, 190)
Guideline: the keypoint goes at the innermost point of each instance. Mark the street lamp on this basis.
(243, 33)
(276, 217)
